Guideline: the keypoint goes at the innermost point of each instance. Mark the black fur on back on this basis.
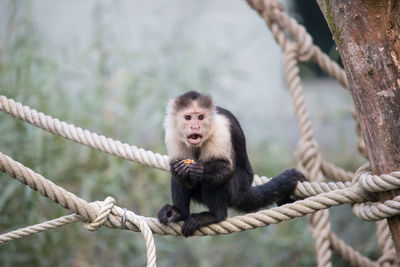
(243, 173)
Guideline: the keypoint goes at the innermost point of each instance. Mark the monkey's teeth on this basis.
(194, 136)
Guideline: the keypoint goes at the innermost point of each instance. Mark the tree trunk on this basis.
(367, 33)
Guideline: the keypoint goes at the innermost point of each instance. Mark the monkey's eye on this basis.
(201, 117)
(187, 117)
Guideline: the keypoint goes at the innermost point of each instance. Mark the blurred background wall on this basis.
(110, 67)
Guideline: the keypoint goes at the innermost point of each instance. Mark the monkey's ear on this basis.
(171, 107)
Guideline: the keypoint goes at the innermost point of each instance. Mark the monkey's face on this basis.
(194, 124)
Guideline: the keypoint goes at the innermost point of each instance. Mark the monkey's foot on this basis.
(190, 225)
(287, 183)
(168, 214)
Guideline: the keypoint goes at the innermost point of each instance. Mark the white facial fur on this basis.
(214, 128)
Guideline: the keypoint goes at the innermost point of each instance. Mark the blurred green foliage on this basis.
(121, 94)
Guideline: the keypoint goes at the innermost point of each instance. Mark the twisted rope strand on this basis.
(309, 159)
(349, 254)
(385, 244)
(24, 232)
(80, 136)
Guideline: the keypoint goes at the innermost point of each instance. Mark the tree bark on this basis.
(367, 34)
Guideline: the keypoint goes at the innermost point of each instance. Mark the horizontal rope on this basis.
(338, 193)
(24, 232)
(84, 137)
(90, 211)
(115, 147)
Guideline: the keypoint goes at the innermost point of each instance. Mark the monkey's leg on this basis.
(215, 199)
(181, 204)
(279, 189)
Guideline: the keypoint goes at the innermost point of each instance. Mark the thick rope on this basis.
(349, 254)
(281, 25)
(95, 212)
(90, 211)
(385, 244)
(333, 195)
(309, 158)
(84, 137)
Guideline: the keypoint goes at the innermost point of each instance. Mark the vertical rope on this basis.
(309, 159)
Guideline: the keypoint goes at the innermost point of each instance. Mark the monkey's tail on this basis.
(279, 190)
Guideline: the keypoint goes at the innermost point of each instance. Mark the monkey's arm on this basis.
(181, 204)
(213, 172)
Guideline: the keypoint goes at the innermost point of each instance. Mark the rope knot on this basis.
(105, 210)
(375, 183)
(370, 184)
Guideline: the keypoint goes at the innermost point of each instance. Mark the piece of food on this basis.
(188, 161)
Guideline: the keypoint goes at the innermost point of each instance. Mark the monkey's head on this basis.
(190, 116)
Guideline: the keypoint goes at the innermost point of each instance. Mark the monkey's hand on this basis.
(168, 214)
(180, 172)
(196, 170)
(287, 183)
(180, 168)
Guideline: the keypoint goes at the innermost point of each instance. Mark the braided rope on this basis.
(24, 232)
(385, 244)
(349, 254)
(147, 234)
(80, 136)
(375, 183)
(325, 196)
(334, 194)
(332, 171)
(309, 159)
(90, 211)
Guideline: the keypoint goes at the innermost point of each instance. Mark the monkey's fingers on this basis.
(162, 215)
(182, 170)
(286, 200)
(189, 226)
(173, 215)
(174, 161)
(196, 169)
(168, 214)
(179, 164)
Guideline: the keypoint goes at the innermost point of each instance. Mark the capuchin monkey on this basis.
(209, 164)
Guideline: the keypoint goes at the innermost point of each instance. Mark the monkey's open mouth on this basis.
(194, 139)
